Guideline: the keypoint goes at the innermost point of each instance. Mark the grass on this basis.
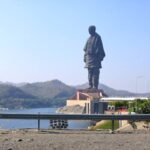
(106, 125)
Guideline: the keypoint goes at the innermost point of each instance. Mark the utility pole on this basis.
(137, 78)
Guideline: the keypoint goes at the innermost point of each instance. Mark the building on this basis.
(90, 100)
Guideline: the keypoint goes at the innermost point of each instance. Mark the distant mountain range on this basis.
(113, 92)
(40, 94)
(46, 94)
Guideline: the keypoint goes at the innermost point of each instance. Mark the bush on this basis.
(144, 107)
(107, 125)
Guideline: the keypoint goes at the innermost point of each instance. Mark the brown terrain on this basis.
(31, 139)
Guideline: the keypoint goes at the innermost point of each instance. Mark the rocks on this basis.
(75, 109)
(6, 139)
(20, 140)
(30, 140)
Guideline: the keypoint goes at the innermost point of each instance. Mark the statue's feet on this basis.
(95, 88)
(89, 88)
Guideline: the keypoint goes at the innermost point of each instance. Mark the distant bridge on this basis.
(123, 98)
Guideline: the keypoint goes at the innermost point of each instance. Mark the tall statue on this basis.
(94, 55)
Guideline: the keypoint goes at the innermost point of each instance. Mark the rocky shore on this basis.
(75, 109)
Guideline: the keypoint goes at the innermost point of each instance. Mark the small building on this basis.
(90, 100)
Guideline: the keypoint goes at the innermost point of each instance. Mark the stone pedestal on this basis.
(90, 100)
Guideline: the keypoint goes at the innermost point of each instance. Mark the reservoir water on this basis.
(18, 124)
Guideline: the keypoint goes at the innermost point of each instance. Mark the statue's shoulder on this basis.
(97, 35)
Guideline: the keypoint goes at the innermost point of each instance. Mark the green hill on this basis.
(9, 91)
(41, 94)
(13, 97)
(54, 89)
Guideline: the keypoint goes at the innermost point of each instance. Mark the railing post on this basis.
(112, 129)
(38, 121)
(112, 125)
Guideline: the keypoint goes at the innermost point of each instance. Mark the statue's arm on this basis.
(84, 49)
(84, 58)
(101, 51)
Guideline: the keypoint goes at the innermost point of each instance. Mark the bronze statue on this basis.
(94, 54)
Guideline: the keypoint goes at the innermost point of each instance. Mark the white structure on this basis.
(122, 98)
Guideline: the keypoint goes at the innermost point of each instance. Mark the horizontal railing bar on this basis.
(76, 116)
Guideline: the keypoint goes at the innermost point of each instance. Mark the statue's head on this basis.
(92, 30)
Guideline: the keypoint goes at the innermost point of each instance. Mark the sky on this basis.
(42, 40)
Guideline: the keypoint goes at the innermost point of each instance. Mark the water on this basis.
(18, 124)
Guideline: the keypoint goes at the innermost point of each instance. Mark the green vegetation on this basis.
(119, 104)
(140, 106)
(106, 125)
(143, 106)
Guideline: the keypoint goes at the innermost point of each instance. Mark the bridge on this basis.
(123, 98)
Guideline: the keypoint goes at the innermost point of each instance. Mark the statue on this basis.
(94, 55)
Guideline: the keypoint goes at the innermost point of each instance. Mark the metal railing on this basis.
(95, 117)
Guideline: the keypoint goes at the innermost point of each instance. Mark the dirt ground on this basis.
(30, 139)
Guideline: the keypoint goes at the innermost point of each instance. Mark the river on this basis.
(18, 124)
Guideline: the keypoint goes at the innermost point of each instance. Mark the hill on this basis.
(54, 89)
(47, 94)
(13, 97)
(9, 91)
(113, 92)
(41, 94)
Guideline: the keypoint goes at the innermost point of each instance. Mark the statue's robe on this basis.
(94, 52)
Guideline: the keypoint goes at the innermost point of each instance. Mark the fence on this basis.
(96, 117)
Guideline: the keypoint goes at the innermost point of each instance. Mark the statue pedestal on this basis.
(97, 92)
(90, 100)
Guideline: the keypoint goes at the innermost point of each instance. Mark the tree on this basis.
(145, 107)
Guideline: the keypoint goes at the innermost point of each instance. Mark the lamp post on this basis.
(148, 89)
(137, 78)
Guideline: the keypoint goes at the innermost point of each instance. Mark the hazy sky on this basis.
(41, 40)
